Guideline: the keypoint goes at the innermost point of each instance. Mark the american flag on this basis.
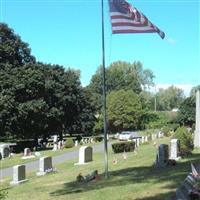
(127, 19)
(194, 171)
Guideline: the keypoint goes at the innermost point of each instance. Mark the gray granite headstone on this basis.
(45, 165)
(19, 175)
(162, 155)
(197, 124)
(4, 150)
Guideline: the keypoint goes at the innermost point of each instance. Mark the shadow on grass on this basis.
(136, 175)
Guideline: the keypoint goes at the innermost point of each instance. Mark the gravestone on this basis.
(138, 142)
(135, 140)
(183, 191)
(174, 149)
(4, 151)
(146, 138)
(153, 137)
(76, 143)
(162, 155)
(142, 140)
(85, 155)
(160, 134)
(45, 166)
(59, 144)
(19, 175)
(197, 124)
(55, 143)
(27, 152)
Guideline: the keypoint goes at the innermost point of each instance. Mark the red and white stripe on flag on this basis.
(127, 19)
(194, 171)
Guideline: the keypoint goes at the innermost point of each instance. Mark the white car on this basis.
(126, 135)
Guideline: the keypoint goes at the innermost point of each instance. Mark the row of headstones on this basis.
(144, 139)
(157, 135)
(162, 156)
(183, 191)
(45, 165)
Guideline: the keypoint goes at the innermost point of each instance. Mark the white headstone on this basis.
(19, 175)
(135, 140)
(27, 152)
(85, 155)
(45, 166)
(138, 142)
(197, 124)
(142, 140)
(174, 150)
(4, 150)
(146, 138)
(59, 144)
(76, 143)
(55, 143)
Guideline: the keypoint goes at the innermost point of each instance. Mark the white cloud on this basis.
(172, 41)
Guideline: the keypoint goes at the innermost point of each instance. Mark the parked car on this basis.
(128, 135)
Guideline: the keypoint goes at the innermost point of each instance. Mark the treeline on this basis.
(38, 100)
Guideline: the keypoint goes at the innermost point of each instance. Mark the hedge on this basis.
(98, 138)
(69, 143)
(123, 146)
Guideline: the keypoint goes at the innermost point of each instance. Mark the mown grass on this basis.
(17, 158)
(135, 178)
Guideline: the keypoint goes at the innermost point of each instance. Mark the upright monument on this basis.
(197, 124)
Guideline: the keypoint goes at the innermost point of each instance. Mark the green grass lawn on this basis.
(135, 178)
(16, 159)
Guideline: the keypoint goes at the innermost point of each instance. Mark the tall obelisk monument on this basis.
(197, 124)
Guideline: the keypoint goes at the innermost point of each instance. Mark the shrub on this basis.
(166, 130)
(123, 146)
(79, 138)
(98, 138)
(185, 138)
(69, 143)
(3, 194)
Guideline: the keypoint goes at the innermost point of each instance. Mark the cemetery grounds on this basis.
(135, 178)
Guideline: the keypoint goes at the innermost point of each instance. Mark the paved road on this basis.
(33, 166)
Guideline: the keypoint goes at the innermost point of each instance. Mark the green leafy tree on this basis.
(169, 98)
(124, 110)
(36, 99)
(120, 75)
(12, 49)
(186, 113)
(185, 138)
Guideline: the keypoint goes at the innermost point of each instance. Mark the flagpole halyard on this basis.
(104, 95)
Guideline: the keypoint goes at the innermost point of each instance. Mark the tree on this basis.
(13, 50)
(169, 98)
(120, 75)
(193, 90)
(124, 110)
(36, 99)
(186, 113)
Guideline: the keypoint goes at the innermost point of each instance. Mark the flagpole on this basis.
(104, 95)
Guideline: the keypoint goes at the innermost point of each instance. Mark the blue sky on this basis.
(68, 32)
